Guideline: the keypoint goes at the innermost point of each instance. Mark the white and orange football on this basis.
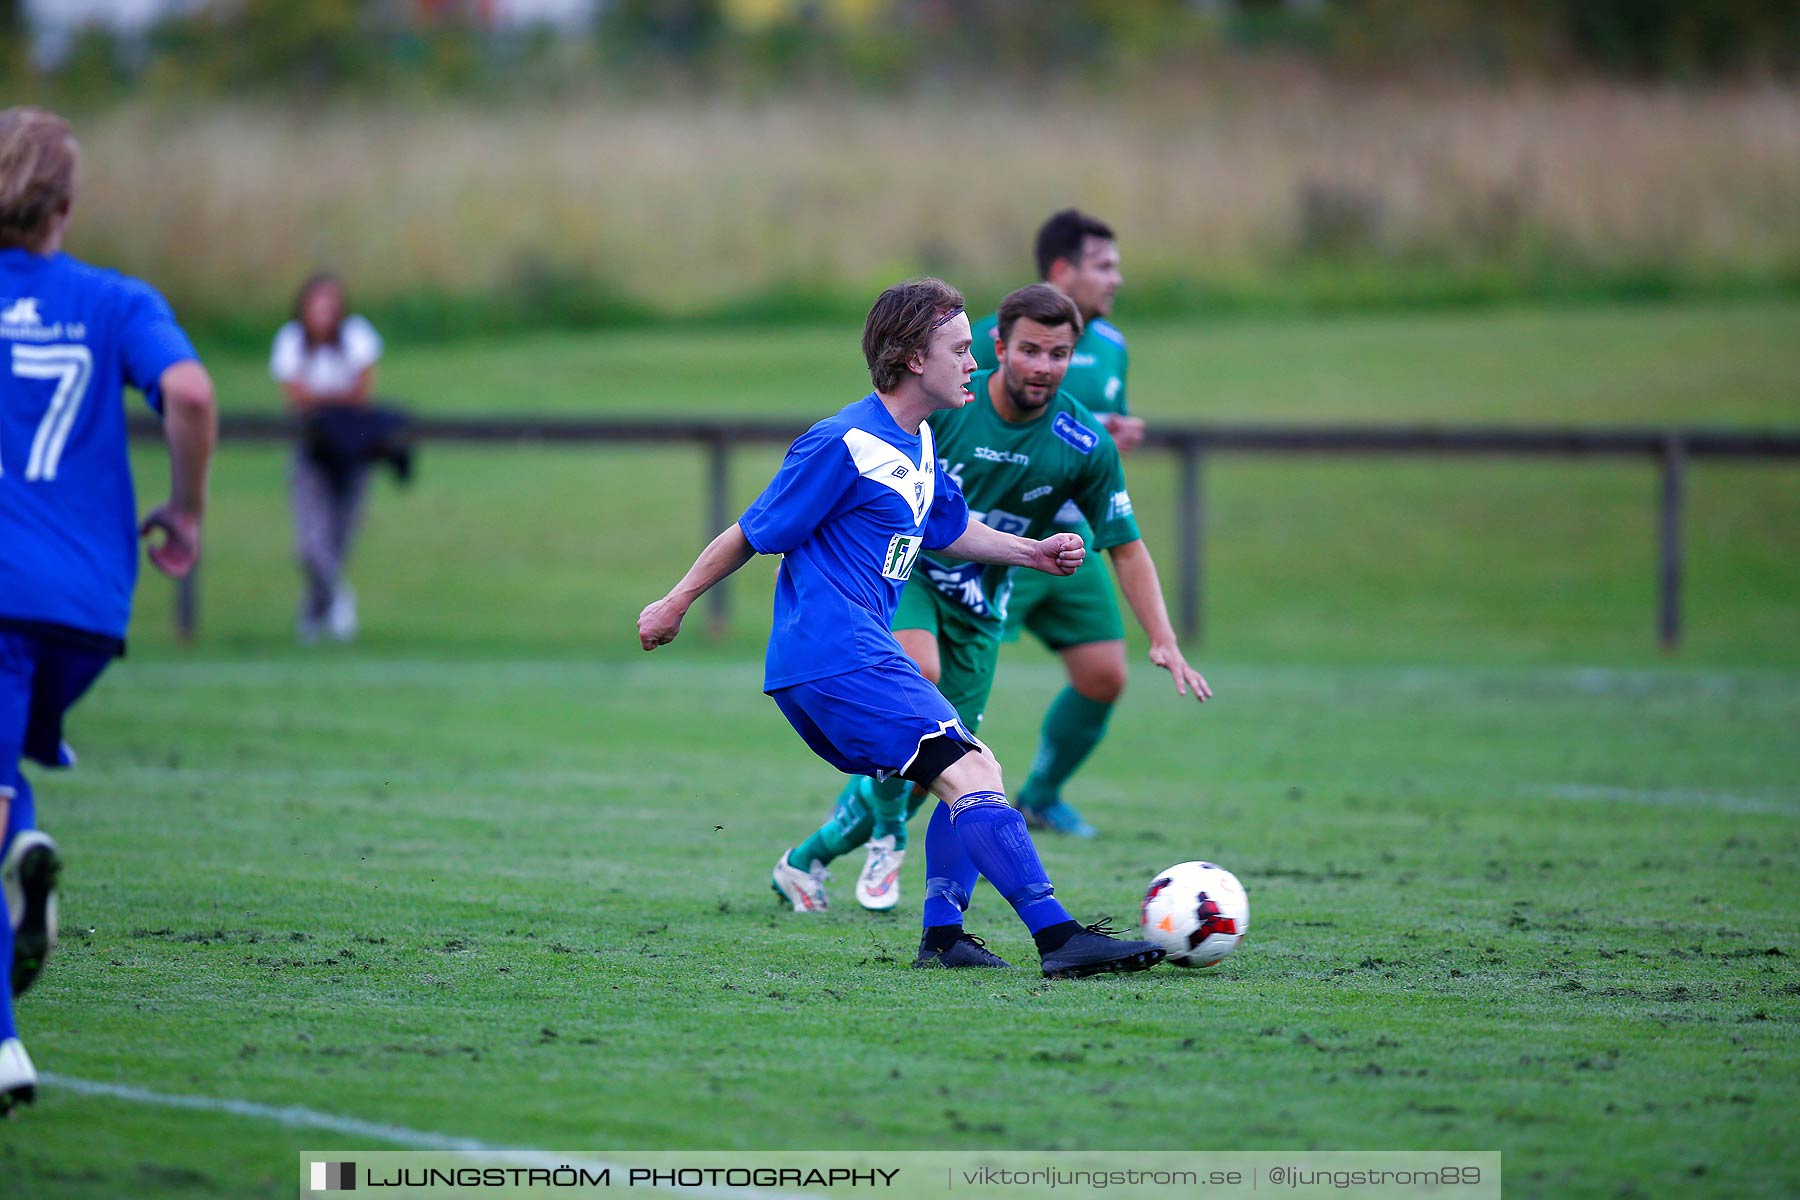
(1197, 911)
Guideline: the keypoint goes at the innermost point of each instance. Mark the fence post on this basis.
(1674, 480)
(718, 484)
(1190, 520)
(187, 605)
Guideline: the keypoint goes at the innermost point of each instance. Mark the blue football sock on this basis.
(7, 1028)
(994, 837)
(21, 813)
(949, 875)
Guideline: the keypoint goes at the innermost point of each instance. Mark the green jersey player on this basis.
(1021, 451)
(1076, 617)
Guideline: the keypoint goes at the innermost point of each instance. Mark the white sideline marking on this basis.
(295, 1116)
(1674, 798)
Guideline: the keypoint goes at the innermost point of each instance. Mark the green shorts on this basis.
(1065, 610)
(968, 653)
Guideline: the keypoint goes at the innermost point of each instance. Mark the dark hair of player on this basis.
(312, 283)
(1065, 234)
(901, 323)
(1041, 303)
(37, 175)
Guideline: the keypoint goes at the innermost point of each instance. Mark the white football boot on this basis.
(878, 887)
(805, 890)
(18, 1078)
(28, 881)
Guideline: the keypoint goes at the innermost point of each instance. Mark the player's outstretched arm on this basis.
(1143, 591)
(1058, 554)
(661, 620)
(191, 427)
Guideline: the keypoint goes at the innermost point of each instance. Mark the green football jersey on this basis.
(1016, 476)
(1096, 368)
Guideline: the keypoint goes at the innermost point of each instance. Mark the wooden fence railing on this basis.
(1669, 450)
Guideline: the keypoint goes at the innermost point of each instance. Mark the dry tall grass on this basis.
(691, 204)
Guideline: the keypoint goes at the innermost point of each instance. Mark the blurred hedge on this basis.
(382, 47)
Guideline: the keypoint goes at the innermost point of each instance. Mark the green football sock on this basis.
(844, 830)
(865, 809)
(1072, 728)
(914, 800)
(887, 799)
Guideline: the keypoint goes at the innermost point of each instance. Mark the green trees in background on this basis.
(379, 46)
(321, 44)
(12, 39)
(1682, 38)
(1676, 40)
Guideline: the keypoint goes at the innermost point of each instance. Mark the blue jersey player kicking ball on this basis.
(72, 337)
(856, 499)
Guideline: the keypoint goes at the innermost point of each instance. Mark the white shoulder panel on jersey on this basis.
(889, 466)
(1107, 330)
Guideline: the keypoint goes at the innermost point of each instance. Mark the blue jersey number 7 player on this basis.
(72, 337)
(856, 499)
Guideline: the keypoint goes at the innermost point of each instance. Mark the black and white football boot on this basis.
(1098, 950)
(28, 880)
(966, 951)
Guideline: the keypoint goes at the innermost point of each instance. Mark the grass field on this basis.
(1546, 911)
(1518, 883)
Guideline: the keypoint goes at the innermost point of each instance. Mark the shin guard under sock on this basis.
(995, 839)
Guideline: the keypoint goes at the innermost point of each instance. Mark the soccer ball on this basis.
(1197, 912)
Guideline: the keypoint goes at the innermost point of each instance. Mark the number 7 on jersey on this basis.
(70, 366)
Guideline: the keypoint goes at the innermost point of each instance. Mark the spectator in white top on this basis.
(324, 359)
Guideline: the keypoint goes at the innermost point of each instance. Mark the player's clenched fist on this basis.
(1062, 553)
(660, 622)
(179, 548)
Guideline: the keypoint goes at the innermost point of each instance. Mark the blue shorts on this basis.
(40, 680)
(872, 721)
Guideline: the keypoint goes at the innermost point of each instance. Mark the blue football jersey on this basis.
(72, 337)
(855, 500)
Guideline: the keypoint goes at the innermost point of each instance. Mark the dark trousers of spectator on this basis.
(327, 512)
